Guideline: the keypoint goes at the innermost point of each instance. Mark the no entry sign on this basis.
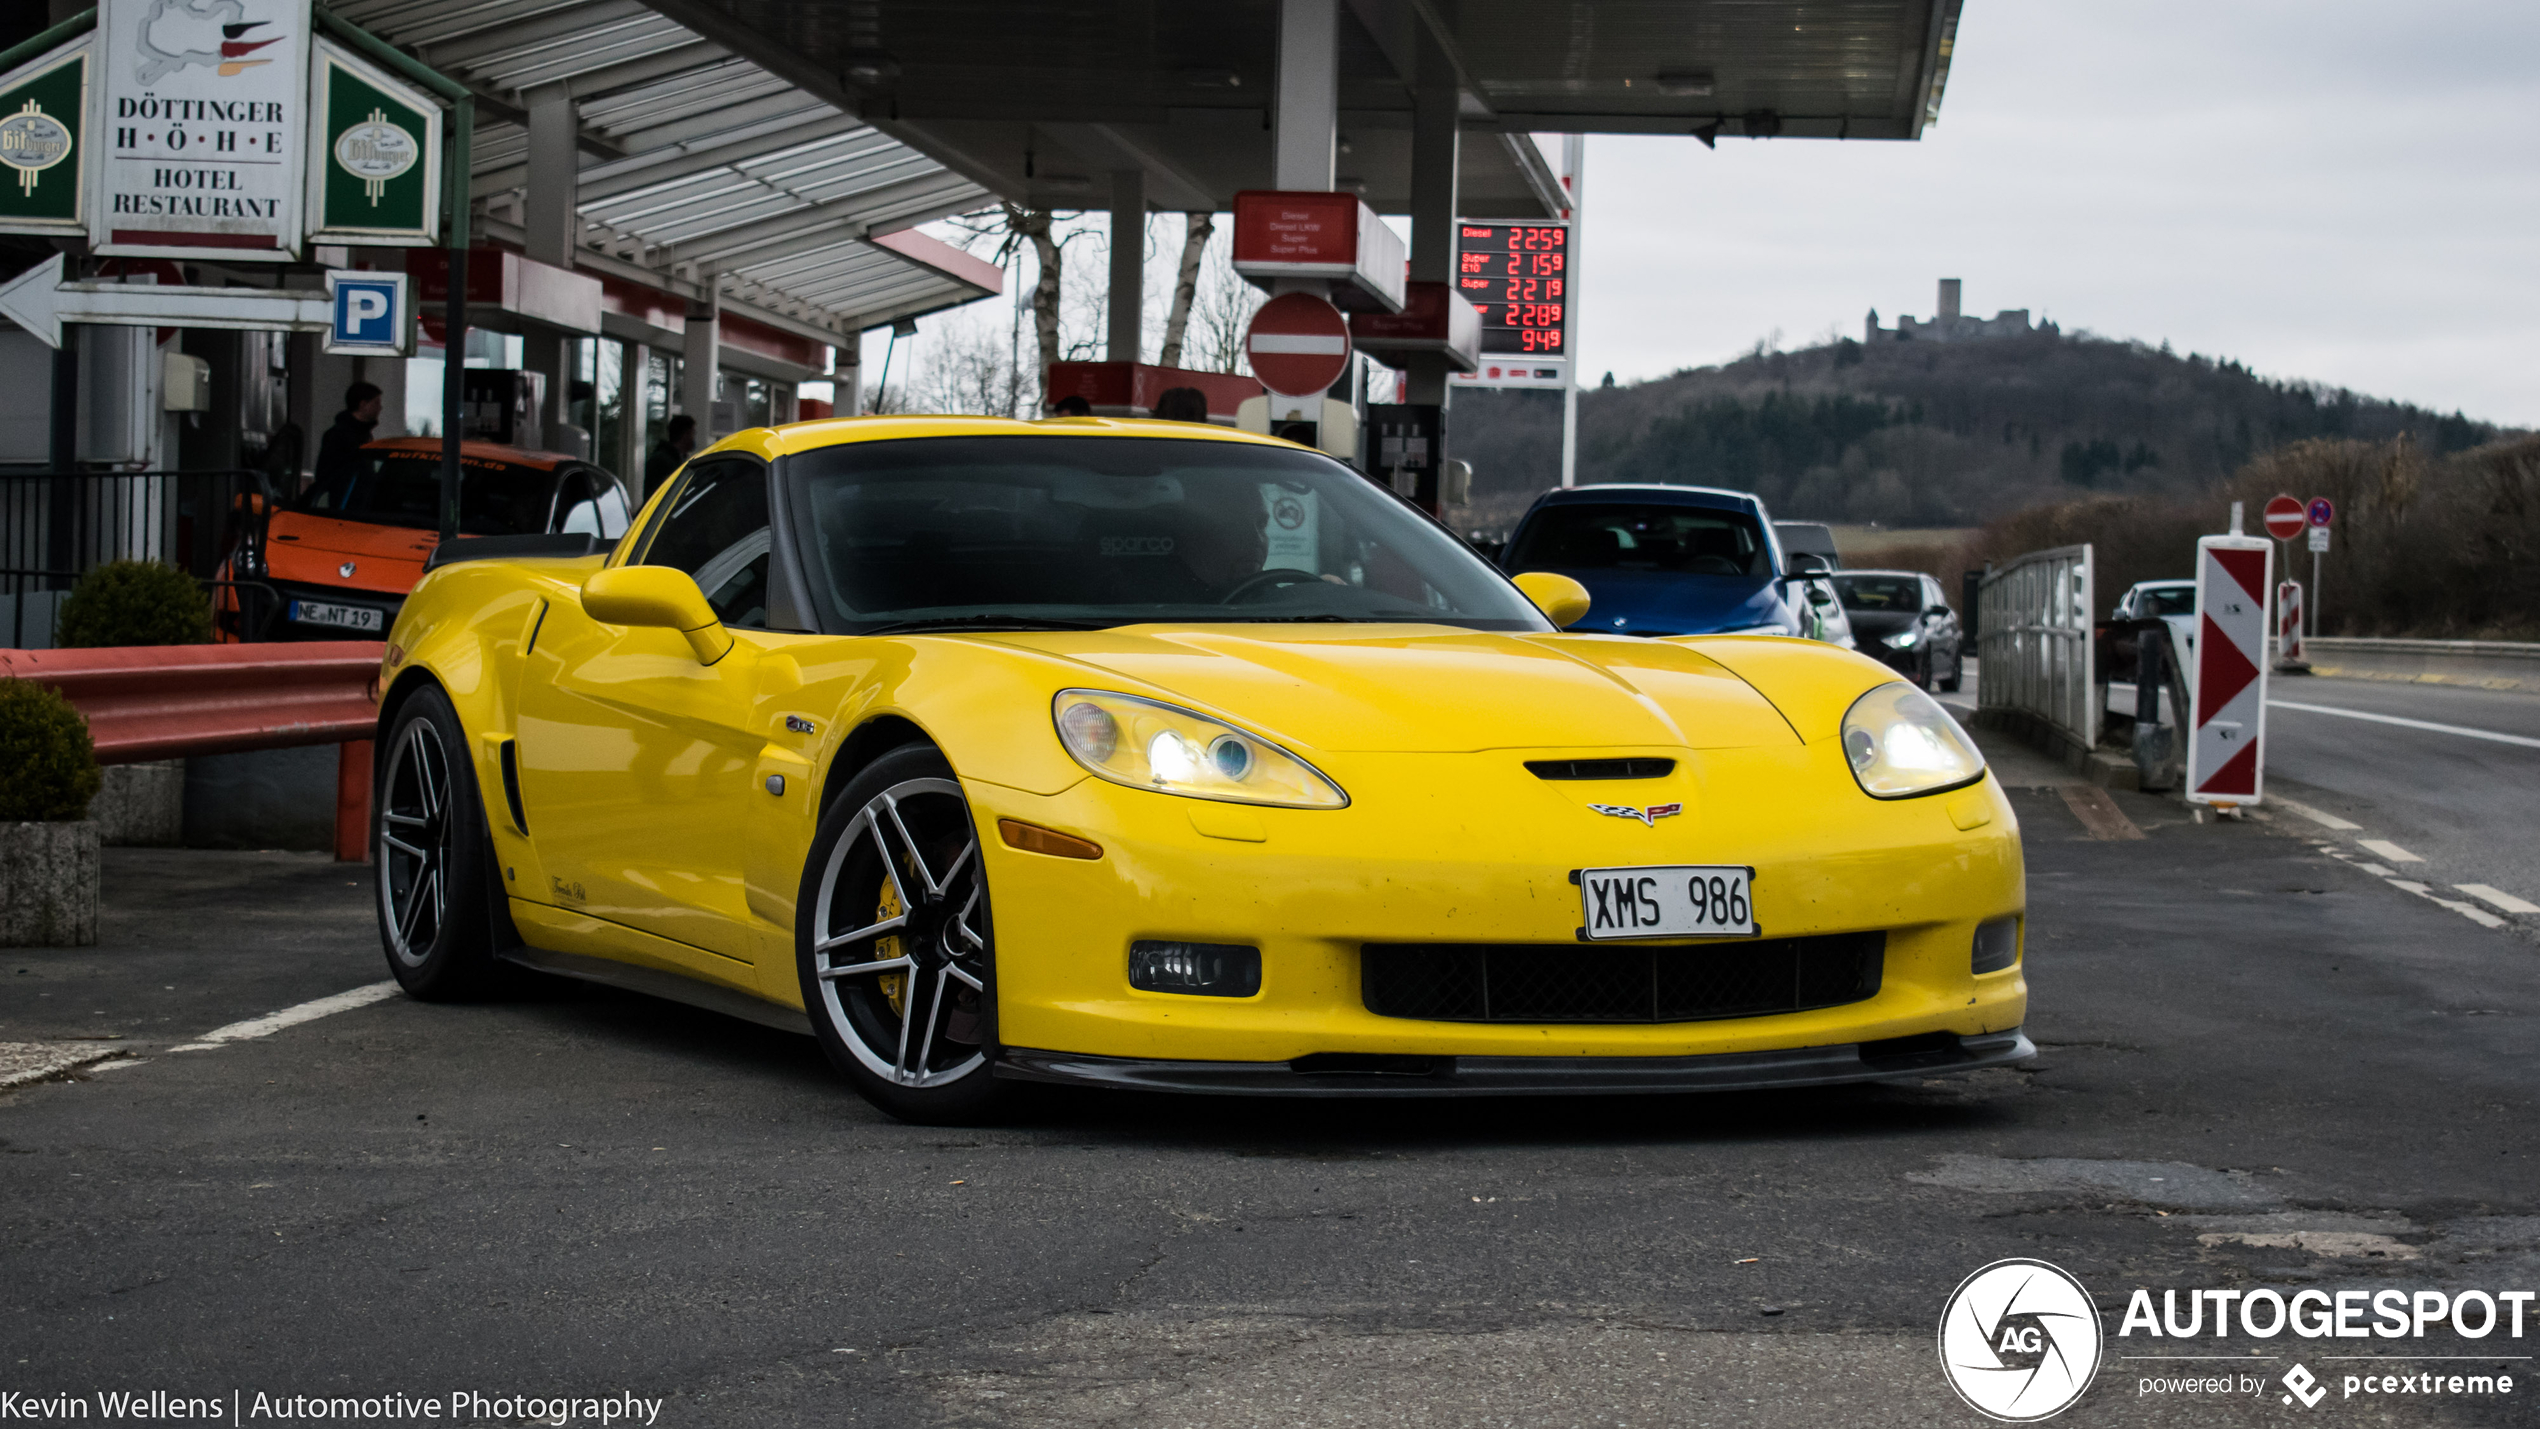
(1299, 345)
(2285, 518)
(2224, 759)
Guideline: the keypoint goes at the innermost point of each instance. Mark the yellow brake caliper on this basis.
(894, 985)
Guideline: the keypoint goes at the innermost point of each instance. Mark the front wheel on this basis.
(1957, 674)
(893, 942)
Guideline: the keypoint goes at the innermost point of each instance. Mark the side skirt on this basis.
(669, 986)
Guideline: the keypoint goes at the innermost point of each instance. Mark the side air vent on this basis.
(511, 787)
(1600, 768)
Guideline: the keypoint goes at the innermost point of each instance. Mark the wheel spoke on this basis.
(961, 921)
(974, 984)
(908, 1019)
(934, 1016)
(401, 846)
(408, 820)
(860, 934)
(406, 915)
(424, 792)
(856, 969)
(916, 855)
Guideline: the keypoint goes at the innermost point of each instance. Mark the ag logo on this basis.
(2020, 1341)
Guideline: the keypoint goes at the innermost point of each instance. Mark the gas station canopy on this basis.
(695, 165)
(1040, 102)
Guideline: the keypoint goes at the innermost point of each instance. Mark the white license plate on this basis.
(350, 617)
(1670, 901)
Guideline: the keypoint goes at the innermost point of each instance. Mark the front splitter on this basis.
(1344, 1075)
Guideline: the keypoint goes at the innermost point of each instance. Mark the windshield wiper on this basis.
(982, 623)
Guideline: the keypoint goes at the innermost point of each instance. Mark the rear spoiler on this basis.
(515, 548)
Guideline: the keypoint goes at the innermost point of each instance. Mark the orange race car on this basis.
(336, 562)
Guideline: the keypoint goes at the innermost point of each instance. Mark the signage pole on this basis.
(454, 313)
(2314, 618)
(1574, 159)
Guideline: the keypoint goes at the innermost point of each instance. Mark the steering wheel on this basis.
(1271, 579)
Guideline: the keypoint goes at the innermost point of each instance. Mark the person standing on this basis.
(677, 441)
(340, 450)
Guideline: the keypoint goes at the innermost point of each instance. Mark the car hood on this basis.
(1400, 688)
(313, 550)
(1661, 603)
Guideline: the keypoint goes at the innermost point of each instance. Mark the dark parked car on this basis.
(1903, 620)
(1663, 560)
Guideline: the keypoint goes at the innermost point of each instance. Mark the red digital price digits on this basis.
(1517, 274)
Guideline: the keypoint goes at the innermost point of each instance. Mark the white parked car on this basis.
(2174, 602)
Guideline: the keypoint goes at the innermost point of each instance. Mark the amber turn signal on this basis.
(1032, 838)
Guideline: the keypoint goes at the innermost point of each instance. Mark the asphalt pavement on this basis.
(2261, 1064)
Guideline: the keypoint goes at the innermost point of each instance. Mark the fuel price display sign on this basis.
(1518, 274)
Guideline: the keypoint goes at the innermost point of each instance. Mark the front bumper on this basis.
(1379, 1076)
(1472, 849)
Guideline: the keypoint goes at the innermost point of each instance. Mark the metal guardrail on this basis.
(2473, 649)
(2035, 642)
(147, 702)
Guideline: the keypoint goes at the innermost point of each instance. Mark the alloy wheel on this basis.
(904, 980)
(416, 832)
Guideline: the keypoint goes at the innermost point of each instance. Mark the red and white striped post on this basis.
(2226, 742)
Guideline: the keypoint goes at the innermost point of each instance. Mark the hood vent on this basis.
(1600, 768)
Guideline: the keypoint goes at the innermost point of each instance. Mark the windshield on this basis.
(403, 488)
(2167, 600)
(1100, 531)
(1902, 595)
(1679, 540)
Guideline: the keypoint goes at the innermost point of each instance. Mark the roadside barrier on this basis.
(2034, 641)
(147, 702)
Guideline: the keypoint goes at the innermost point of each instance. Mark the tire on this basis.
(1957, 674)
(894, 946)
(433, 856)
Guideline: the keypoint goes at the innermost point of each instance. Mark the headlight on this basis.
(1902, 743)
(1149, 745)
(1903, 640)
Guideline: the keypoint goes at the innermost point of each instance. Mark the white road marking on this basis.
(2471, 911)
(2320, 817)
(273, 1022)
(2389, 850)
(2524, 740)
(2497, 897)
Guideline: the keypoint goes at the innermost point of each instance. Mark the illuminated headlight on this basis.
(1903, 640)
(1149, 745)
(1902, 743)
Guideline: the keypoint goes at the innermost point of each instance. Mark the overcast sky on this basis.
(2331, 189)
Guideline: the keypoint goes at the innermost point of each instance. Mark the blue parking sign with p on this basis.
(368, 313)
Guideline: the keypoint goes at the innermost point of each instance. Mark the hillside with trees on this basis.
(1929, 434)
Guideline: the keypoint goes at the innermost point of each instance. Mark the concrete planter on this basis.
(141, 805)
(48, 885)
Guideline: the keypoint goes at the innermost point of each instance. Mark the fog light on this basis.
(1196, 969)
(1997, 945)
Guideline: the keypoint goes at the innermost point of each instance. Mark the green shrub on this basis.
(48, 767)
(134, 603)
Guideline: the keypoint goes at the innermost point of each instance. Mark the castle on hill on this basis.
(1950, 325)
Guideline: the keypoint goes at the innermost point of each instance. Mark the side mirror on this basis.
(657, 597)
(1562, 600)
(1808, 563)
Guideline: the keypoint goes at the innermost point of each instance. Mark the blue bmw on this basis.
(1662, 560)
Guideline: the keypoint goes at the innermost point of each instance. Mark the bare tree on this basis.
(1195, 231)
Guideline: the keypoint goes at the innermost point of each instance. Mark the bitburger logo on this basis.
(2020, 1341)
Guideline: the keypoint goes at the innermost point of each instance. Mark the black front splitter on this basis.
(1353, 1075)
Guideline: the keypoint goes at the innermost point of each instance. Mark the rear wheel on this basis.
(893, 942)
(1957, 673)
(429, 848)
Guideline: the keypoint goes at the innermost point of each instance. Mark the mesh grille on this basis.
(1535, 982)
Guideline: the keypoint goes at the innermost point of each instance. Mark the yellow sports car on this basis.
(1142, 754)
